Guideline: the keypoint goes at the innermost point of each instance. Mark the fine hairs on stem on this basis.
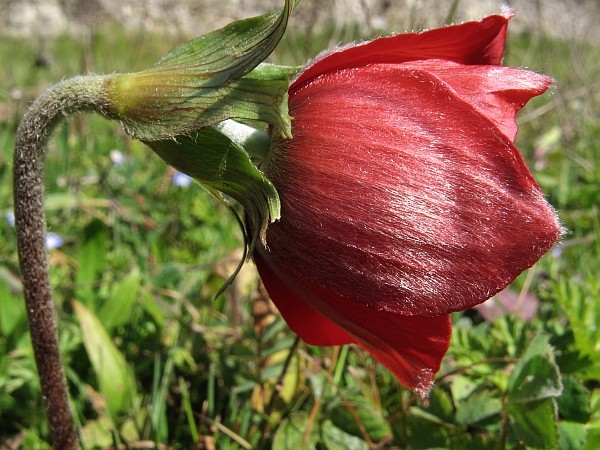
(79, 94)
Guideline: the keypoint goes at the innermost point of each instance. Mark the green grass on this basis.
(152, 357)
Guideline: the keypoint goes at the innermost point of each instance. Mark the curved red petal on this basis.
(304, 320)
(496, 92)
(468, 43)
(412, 348)
(400, 195)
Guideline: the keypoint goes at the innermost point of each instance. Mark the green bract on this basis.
(201, 83)
(181, 109)
(223, 167)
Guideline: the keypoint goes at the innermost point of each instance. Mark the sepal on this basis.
(201, 83)
(222, 166)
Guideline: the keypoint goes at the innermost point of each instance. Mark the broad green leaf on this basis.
(462, 387)
(370, 418)
(117, 309)
(425, 430)
(199, 83)
(336, 439)
(574, 403)
(151, 307)
(572, 436)
(592, 439)
(291, 434)
(12, 310)
(535, 379)
(92, 257)
(441, 405)
(318, 384)
(536, 375)
(477, 408)
(539, 346)
(115, 379)
(574, 296)
(97, 433)
(534, 423)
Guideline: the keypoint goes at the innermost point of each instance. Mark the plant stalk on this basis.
(84, 93)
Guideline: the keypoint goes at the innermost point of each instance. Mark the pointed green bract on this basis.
(248, 42)
(201, 83)
(223, 167)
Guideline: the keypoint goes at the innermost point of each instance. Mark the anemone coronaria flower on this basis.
(404, 198)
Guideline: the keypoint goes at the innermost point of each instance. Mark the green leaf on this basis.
(115, 379)
(336, 439)
(291, 433)
(462, 387)
(572, 436)
(539, 346)
(361, 414)
(98, 433)
(536, 375)
(200, 83)
(12, 310)
(535, 379)
(223, 167)
(574, 403)
(425, 430)
(534, 423)
(477, 408)
(440, 405)
(117, 309)
(593, 439)
(584, 315)
(92, 257)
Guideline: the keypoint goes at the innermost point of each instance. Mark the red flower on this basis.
(403, 196)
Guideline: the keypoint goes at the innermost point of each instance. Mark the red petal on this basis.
(400, 195)
(469, 43)
(496, 92)
(304, 320)
(412, 348)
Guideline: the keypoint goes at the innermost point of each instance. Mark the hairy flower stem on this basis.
(78, 94)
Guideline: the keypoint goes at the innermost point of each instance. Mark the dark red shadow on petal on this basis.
(412, 348)
(479, 43)
(304, 320)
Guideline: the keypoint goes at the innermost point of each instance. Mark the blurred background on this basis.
(30, 18)
(138, 251)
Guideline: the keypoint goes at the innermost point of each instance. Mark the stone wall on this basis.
(25, 18)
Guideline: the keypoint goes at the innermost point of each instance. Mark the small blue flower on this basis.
(181, 179)
(53, 241)
(10, 218)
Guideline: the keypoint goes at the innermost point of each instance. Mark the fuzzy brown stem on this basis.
(83, 93)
